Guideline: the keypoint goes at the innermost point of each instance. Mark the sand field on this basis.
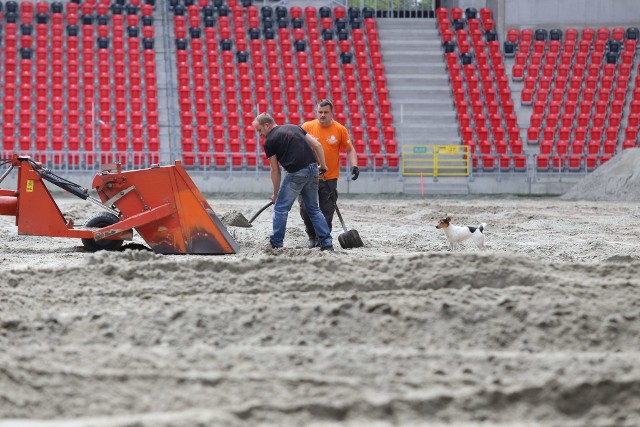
(543, 328)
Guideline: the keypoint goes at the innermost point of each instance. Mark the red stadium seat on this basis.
(610, 146)
(543, 163)
(488, 163)
(591, 162)
(533, 135)
(595, 133)
(577, 147)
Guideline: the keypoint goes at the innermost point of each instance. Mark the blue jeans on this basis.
(304, 183)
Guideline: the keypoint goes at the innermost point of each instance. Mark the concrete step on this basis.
(403, 55)
(434, 126)
(429, 68)
(428, 79)
(412, 123)
(448, 130)
(405, 94)
(419, 43)
(439, 82)
(433, 118)
(401, 24)
(422, 102)
(407, 112)
(419, 88)
(407, 128)
(431, 141)
(427, 118)
(426, 135)
(411, 109)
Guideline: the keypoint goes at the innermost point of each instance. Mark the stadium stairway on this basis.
(420, 95)
(419, 90)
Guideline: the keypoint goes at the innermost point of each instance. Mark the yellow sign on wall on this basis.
(435, 160)
(449, 149)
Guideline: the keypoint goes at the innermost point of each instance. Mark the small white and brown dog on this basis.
(456, 234)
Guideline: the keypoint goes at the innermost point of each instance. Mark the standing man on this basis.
(333, 137)
(298, 153)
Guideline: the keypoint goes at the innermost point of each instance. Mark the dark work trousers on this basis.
(327, 193)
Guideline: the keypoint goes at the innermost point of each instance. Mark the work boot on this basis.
(273, 246)
(327, 248)
(312, 243)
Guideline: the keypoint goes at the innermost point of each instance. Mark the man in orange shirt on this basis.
(333, 137)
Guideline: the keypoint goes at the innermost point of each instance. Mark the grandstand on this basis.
(526, 108)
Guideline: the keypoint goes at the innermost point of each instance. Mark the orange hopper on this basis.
(161, 203)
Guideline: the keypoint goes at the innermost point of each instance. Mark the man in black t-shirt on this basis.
(299, 154)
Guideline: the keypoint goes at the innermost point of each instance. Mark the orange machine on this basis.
(161, 203)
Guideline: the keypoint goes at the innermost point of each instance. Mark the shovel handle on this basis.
(262, 209)
(335, 205)
(339, 216)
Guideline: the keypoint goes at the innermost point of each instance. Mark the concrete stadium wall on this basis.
(240, 182)
(556, 14)
(553, 13)
(259, 184)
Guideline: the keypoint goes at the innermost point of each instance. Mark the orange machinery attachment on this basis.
(161, 203)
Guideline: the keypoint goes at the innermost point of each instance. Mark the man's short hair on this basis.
(264, 119)
(325, 103)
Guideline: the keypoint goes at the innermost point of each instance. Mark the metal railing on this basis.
(381, 8)
(527, 167)
(414, 161)
(219, 163)
(397, 8)
(435, 160)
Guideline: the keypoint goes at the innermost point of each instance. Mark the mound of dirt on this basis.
(235, 219)
(616, 180)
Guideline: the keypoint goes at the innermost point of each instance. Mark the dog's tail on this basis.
(482, 227)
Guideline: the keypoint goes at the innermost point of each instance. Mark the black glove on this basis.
(355, 173)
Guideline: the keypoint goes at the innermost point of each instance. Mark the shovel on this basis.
(350, 238)
(262, 209)
(236, 219)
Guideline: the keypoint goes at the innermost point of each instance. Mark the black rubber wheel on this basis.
(100, 220)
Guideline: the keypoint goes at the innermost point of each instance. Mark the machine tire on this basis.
(100, 220)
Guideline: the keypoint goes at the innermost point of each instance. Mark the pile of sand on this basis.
(235, 219)
(616, 180)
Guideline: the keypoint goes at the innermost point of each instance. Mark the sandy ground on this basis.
(541, 329)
